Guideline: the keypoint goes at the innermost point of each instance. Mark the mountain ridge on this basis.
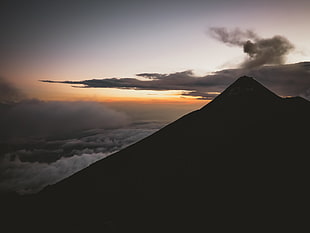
(233, 159)
(246, 86)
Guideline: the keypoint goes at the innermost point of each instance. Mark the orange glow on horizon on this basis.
(63, 92)
(159, 100)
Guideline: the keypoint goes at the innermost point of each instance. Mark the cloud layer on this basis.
(260, 51)
(35, 118)
(31, 166)
(42, 142)
(285, 80)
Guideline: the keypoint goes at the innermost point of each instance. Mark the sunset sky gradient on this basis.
(82, 40)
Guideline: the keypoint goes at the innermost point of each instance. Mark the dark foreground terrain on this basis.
(241, 164)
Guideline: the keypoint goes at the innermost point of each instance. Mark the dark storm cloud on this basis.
(35, 118)
(286, 80)
(201, 95)
(185, 80)
(9, 93)
(156, 81)
(261, 51)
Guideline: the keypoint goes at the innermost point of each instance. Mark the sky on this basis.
(81, 40)
(82, 79)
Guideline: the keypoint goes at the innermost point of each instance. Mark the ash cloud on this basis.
(260, 51)
(235, 37)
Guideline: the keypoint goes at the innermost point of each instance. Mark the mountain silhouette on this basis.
(240, 163)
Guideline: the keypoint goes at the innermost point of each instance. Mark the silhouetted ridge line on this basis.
(246, 90)
(238, 163)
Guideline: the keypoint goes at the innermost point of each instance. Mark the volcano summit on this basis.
(240, 163)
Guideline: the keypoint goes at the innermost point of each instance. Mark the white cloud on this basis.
(45, 162)
(27, 177)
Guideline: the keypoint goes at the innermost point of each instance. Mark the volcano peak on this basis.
(246, 89)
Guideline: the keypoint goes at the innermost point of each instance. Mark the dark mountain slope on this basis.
(239, 163)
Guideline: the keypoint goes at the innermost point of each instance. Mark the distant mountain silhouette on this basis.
(240, 163)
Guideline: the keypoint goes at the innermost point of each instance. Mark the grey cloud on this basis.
(157, 76)
(9, 93)
(156, 81)
(235, 37)
(34, 118)
(267, 51)
(201, 94)
(286, 80)
(261, 51)
(185, 80)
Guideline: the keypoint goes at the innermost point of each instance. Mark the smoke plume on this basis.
(260, 51)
